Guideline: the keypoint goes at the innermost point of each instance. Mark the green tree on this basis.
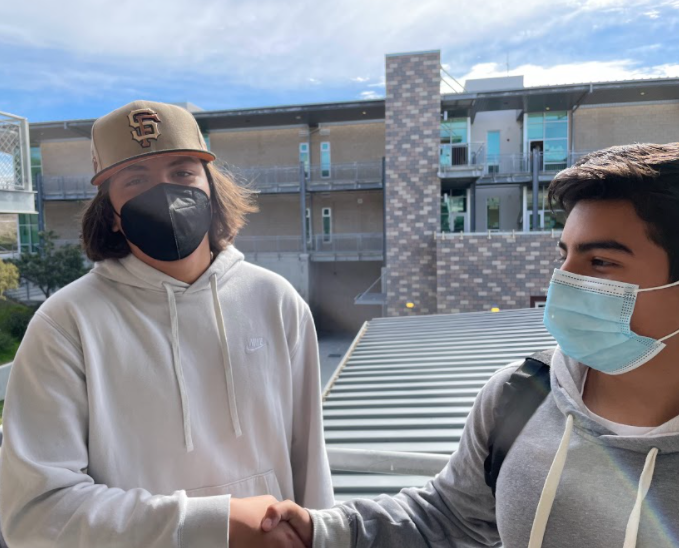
(52, 267)
(9, 277)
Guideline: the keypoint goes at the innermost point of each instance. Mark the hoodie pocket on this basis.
(253, 486)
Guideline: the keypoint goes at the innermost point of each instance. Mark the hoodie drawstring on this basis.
(644, 486)
(178, 371)
(544, 508)
(231, 391)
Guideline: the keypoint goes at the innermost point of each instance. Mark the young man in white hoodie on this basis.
(150, 396)
(596, 462)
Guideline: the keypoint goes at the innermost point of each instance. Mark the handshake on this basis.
(263, 522)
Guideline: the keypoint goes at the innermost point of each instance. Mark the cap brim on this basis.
(115, 168)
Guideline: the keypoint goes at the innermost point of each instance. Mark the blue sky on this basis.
(82, 58)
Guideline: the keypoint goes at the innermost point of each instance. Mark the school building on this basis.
(419, 203)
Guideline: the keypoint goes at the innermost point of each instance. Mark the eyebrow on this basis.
(608, 245)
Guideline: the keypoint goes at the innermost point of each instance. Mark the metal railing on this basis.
(385, 462)
(283, 178)
(348, 243)
(495, 165)
(15, 155)
(321, 243)
(72, 187)
(453, 157)
(269, 244)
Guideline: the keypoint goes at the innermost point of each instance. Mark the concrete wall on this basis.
(413, 189)
(504, 121)
(334, 287)
(261, 147)
(279, 215)
(64, 218)
(349, 143)
(511, 206)
(73, 157)
(352, 212)
(595, 128)
(294, 267)
(476, 273)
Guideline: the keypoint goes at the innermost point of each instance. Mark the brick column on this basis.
(413, 189)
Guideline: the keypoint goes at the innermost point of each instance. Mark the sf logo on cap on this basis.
(144, 123)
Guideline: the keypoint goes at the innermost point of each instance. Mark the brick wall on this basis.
(263, 147)
(349, 143)
(67, 158)
(602, 127)
(413, 109)
(476, 273)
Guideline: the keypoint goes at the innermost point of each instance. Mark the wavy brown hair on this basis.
(231, 203)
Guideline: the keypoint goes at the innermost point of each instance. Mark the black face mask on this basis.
(167, 222)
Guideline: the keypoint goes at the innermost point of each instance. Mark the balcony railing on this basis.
(500, 166)
(71, 187)
(356, 175)
(317, 245)
(459, 157)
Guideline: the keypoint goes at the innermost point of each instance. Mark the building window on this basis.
(548, 133)
(36, 163)
(29, 241)
(454, 211)
(493, 151)
(304, 157)
(454, 135)
(493, 213)
(538, 301)
(327, 225)
(549, 220)
(325, 160)
(309, 227)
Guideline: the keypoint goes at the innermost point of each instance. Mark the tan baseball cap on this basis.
(142, 129)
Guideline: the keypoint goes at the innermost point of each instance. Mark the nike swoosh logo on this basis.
(251, 349)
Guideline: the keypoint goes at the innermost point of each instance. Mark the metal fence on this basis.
(73, 187)
(348, 243)
(281, 178)
(503, 164)
(321, 243)
(15, 160)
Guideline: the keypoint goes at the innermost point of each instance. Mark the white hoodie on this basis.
(138, 404)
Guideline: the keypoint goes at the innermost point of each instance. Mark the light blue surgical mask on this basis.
(590, 319)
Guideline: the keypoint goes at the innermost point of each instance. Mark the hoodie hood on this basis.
(133, 272)
(567, 376)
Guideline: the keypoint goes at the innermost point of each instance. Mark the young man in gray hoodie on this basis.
(597, 464)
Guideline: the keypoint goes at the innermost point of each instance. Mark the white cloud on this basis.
(370, 95)
(270, 42)
(571, 73)
(653, 14)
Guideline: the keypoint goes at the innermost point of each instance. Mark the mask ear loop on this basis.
(673, 284)
(658, 288)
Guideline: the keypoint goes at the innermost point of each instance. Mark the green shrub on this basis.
(16, 323)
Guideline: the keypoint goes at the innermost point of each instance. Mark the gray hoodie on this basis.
(567, 481)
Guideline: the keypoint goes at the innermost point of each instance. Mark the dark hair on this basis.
(231, 202)
(646, 175)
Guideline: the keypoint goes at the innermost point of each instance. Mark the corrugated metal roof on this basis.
(408, 384)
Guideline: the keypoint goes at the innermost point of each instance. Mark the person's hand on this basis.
(282, 513)
(245, 526)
